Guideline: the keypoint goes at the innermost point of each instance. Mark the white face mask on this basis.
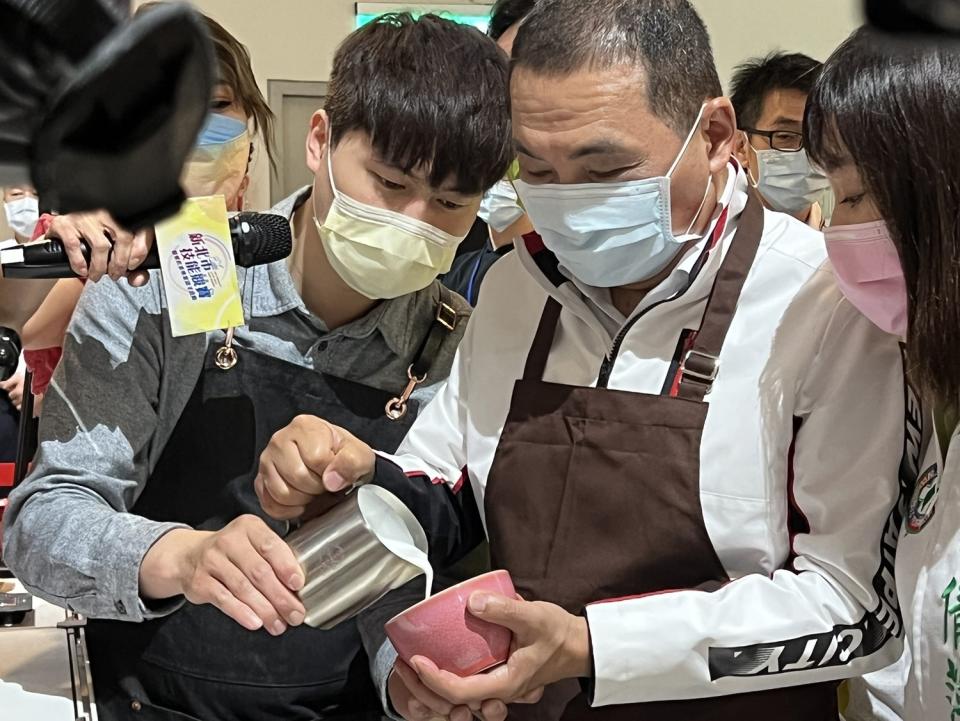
(610, 234)
(380, 253)
(22, 215)
(500, 207)
(787, 181)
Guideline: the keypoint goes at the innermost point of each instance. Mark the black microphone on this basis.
(258, 239)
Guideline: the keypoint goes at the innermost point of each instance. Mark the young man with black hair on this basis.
(693, 471)
(141, 505)
(769, 95)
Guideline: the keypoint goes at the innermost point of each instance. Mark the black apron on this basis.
(198, 663)
(609, 505)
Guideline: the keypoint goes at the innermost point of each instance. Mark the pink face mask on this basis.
(869, 273)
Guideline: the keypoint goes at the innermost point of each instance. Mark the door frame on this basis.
(277, 91)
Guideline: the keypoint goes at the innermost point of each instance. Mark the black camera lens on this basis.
(9, 353)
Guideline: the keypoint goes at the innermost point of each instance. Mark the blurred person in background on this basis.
(11, 393)
(22, 209)
(19, 299)
(769, 95)
(22, 212)
(500, 212)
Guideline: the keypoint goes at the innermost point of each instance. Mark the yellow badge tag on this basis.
(199, 272)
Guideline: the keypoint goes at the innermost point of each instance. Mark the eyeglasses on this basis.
(786, 141)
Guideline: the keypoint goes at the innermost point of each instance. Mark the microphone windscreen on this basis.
(260, 238)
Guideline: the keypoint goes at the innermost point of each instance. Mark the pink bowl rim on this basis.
(488, 574)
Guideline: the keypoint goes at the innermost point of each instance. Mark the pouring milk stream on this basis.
(393, 533)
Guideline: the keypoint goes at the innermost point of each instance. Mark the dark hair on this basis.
(506, 14)
(429, 92)
(665, 38)
(892, 108)
(235, 70)
(756, 78)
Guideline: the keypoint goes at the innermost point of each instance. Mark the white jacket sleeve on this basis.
(428, 473)
(831, 612)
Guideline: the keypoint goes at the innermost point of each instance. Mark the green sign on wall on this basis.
(477, 16)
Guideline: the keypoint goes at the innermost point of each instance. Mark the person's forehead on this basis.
(606, 99)
(782, 104)
(18, 190)
(847, 173)
(359, 144)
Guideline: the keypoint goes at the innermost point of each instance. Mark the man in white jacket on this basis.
(695, 481)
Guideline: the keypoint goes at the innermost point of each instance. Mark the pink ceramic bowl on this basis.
(443, 630)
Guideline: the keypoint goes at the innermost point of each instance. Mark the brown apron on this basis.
(595, 494)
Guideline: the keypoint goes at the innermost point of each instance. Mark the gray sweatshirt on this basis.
(117, 395)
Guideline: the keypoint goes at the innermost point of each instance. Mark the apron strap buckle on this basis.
(700, 366)
(397, 407)
(447, 316)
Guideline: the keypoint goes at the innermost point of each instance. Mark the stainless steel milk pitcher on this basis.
(346, 564)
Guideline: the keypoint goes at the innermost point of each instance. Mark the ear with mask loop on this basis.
(676, 163)
(686, 143)
(755, 182)
(696, 216)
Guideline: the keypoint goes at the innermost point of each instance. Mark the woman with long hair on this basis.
(882, 121)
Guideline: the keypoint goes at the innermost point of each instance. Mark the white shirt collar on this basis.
(599, 299)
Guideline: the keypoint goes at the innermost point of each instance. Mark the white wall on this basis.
(296, 39)
(745, 28)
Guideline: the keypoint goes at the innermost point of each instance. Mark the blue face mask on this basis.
(219, 162)
(610, 234)
(220, 129)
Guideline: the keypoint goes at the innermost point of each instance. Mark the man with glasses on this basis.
(769, 95)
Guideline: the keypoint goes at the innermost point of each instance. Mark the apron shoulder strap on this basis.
(543, 341)
(702, 362)
(444, 323)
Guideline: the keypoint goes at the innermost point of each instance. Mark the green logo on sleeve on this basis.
(951, 639)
